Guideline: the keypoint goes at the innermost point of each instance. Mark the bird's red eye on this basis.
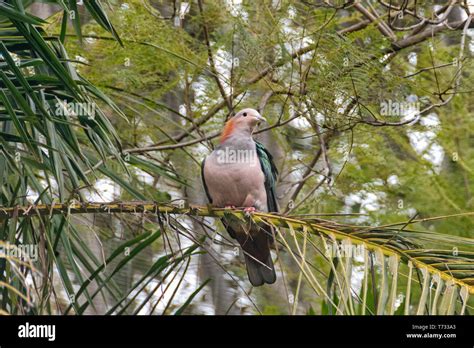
(245, 114)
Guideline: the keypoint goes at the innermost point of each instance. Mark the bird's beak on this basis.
(260, 118)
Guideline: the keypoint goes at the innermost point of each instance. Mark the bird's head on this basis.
(244, 122)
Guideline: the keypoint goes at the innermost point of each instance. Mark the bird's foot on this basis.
(249, 210)
(230, 207)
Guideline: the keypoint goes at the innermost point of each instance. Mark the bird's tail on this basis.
(260, 273)
(255, 240)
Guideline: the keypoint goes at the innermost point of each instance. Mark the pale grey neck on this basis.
(240, 139)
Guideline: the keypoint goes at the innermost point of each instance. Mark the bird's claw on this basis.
(249, 210)
(230, 207)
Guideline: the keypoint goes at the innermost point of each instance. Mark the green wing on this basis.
(204, 181)
(270, 171)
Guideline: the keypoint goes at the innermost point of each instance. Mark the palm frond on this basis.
(438, 280)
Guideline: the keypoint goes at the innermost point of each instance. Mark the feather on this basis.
(270, 171)
(227, 131)
(204, 181)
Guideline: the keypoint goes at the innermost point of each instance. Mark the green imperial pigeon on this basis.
(240, 173)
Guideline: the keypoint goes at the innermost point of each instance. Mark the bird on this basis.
(240, 172)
